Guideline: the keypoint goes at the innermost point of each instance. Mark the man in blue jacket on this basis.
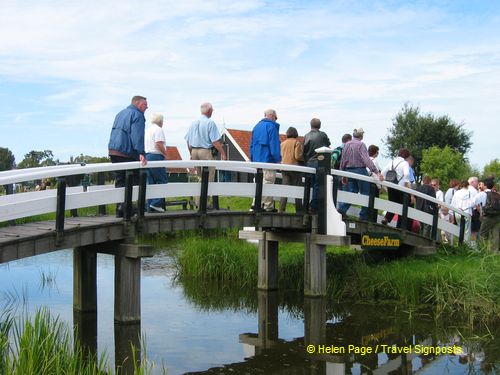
(126, 142)
(265, 148)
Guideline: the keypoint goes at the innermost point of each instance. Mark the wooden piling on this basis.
(268, 264)
(268, 318)
(314, 320)
(128, 282)
(314, 267)
(84, 279)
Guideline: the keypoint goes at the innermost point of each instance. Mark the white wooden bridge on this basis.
(106, 233)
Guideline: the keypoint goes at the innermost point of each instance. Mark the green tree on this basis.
(418, 132)
(35, 159)
(7, 159)
(444, 164)
(492, 168)
(87, 159)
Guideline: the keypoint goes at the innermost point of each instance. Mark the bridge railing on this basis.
(405, 211)
(70, 198)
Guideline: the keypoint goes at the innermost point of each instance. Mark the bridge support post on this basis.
(84, 279)
(268, 318)
(314, 320)
(128, 282)
(314, 268)
(85, 332)
(127, 347)
(268, 264)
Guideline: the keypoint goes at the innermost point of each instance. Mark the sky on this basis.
(67, 67)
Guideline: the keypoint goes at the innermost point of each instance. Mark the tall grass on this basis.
(223, 259)
(460, 280)
(44, 345)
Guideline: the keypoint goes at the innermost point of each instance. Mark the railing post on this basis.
(215, 198)
(404, 215)
(461, 235)
(372, 212)
(204, 190)
(100, 181)
(61, 205)
(9, 189)
(141, 203)
(324, 168)
(129, 185)
(435, 217)
(259, 181)
(307, 192)
(335, 189)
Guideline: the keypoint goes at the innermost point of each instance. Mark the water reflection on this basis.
(207, 328)
(353, 340)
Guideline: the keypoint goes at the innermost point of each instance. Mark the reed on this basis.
(455, 279)
(44, 345)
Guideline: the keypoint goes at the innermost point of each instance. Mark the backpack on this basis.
(391, 175)
(336, 157)
(492, 205)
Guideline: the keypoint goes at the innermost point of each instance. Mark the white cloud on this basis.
(350, 65)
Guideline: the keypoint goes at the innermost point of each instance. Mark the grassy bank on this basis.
(455, 279)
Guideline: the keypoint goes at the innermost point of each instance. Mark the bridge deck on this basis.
(21, 241)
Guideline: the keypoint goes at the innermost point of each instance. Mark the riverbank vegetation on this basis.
(457, 279)
(44, 345)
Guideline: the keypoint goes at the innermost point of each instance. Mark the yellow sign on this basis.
(380, 241)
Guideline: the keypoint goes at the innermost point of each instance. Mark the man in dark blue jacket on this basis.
(126, 142)
(265, 148)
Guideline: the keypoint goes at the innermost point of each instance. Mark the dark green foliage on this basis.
(35, 159)
(418, 132)
(7, 159)
(492, 169)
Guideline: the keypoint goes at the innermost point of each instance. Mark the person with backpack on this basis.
(337, 151)
(337, 156)
(397, 172)
(490, 217)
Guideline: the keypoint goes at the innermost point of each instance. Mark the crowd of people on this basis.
(131, 141)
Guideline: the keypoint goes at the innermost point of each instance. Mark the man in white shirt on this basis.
(154, 145)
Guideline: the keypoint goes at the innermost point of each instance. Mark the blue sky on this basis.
(67, 67)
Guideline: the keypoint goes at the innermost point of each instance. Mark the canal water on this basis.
(200, 328)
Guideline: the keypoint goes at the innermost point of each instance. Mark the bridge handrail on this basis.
(404, 189)
(21, 171)
(15, 210)
(69, 170)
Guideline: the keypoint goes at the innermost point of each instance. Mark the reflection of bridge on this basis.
(361, 328)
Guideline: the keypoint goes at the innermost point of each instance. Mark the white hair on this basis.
(205, 108)
(269, 112)
(157, 118)
(472, 179)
